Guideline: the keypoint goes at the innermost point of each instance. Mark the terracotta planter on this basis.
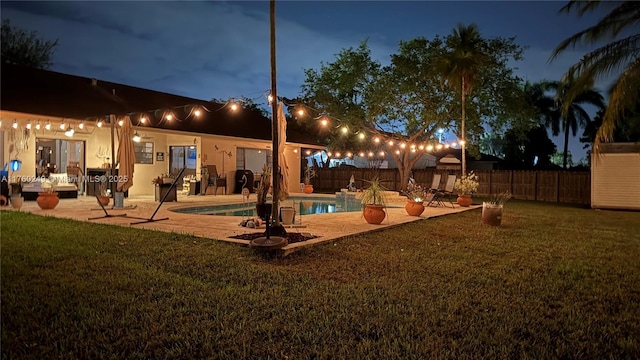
(374, 214)
(104, 200)
(47, 201)
(491, 214)
(308, 189)
(464, 200)
(414, 208)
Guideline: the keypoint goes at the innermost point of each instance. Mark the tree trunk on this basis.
(464, 158)
(566, 144)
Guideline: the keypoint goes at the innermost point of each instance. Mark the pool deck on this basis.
(328, 227)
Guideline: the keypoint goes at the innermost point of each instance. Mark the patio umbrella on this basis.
(126, 156)
(283, 174)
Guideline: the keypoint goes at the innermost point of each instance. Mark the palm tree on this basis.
(462, 66)
(569, 115)
(619, 54)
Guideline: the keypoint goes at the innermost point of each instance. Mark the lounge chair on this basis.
(440, 195)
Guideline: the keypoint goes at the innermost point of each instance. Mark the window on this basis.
(144, 152)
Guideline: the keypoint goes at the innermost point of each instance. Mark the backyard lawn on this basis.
(553, 282)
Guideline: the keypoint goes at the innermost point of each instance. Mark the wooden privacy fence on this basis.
(553, 186)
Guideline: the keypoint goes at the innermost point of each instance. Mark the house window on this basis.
(144, 152)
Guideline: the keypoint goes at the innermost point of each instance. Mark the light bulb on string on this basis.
(390, 143)
(371, 154)
(38, 125)
(61, 126)
(381, 153)
(15, 124)
(121, 122)
(47, 125)
(361, 136)
(168, 117)
(197, 113)
(28, 124)
(99, 124)
(344, 130)
(429, 147)
(81, 126)
(361, 154)
(462, 142)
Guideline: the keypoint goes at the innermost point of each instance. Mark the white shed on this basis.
(615, 177)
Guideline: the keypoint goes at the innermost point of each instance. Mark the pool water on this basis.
(302, 207)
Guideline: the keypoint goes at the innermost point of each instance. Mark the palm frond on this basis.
(623, 96)
(624, 15)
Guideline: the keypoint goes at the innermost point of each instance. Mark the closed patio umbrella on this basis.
(282, 160)
(126, 156)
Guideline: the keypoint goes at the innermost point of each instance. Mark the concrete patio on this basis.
(327, 227)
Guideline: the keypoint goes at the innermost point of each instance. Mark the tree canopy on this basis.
(25, 48)
(400, 107)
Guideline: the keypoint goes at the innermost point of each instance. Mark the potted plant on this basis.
(262, 208)
(374, 202)
(16, 195)
(48, 198)
(309, 173)
(466, 186)
(104, 196)
(415, 198)
(492, 209)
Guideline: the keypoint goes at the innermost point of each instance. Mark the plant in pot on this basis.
(466, 186)
(48, 198)
(309, 173)
(104, 195)
(415, 198)
(262, 208)
(492, 208)
(16, 195)
(374, 202)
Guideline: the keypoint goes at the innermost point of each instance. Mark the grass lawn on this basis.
(552, 282)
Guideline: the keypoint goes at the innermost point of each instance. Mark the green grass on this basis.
(552, 282)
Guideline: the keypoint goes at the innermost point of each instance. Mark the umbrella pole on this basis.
(112, 121)
(274, 116)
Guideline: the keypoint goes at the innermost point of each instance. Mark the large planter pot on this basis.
(287, 215)
(16, 201)
(308, 189)
(374, 214)
(464, 200)
(262, 210)
(491, 214)
(47, 201)
(414, 208)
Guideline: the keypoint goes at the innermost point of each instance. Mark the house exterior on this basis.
(615, 177)
(197, 132)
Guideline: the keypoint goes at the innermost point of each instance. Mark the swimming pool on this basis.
(302, 205)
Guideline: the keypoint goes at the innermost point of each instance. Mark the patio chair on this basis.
(215, 180)
(440, 195)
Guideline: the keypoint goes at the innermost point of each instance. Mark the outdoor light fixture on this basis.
(69, 133)
(143, 119)
(234, 106)
(344, 130)
(120, 122)
(62, 126)
(15, 124)
(48, 125)
(168, 117)
(38, 125)
(81, 126)
(99, 124)
(136, 137)
(196, 113)
(29, 125)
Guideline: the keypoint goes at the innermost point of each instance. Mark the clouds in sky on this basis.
(221, 49)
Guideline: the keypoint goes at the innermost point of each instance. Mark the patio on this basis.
(327, 227)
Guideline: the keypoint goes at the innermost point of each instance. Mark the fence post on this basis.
(558, 187)
(535, 187)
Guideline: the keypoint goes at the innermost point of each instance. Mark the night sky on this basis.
(220, 50)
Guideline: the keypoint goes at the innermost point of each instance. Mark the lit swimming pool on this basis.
(303, 206)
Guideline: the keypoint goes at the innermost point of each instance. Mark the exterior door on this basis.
(182, 157)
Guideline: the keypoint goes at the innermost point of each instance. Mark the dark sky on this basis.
(220, 49)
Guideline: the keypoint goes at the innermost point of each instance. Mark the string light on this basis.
(168, 117)
(197, 113)
(29, 125)
(47, 125)
(81, 126)
(99, 124)
(15, 124)
(38, 125)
